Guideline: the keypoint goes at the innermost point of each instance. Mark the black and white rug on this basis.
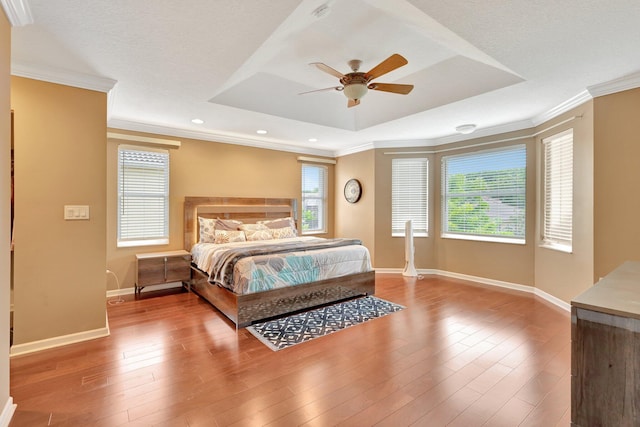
(301, 327)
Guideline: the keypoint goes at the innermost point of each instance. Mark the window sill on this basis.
(558, 248)
(512, 241)
(134, 243)
(311, 233)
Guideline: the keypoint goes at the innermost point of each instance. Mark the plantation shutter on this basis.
(409, 195)
(143, 196)
(558, 191)
(484, 194)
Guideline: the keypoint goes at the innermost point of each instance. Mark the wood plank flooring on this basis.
(459, 355)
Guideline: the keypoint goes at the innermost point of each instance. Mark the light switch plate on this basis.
(76, 212)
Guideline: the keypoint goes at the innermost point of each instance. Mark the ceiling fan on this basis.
(356, 84)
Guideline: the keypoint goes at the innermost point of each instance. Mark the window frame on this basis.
(148, 239)
(322, 217)
(396, 229)
(558, 143)
(517, 192)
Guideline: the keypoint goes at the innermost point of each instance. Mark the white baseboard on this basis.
(30, 347)
(7, 412)
(508, 285)
(150, 288)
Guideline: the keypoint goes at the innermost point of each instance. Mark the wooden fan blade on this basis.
(322, 90)
(388, 65)
(327, 69)
(353, 102)
(391, 87)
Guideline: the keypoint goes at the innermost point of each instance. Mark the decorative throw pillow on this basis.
(281, 223)
(283, 233)
(229, 236)
(253, 227)
(227, 224)
(207, 226)
(256, 232)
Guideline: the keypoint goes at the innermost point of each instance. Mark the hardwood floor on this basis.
(459, 355)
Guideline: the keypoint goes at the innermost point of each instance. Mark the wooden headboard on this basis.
(245, 209)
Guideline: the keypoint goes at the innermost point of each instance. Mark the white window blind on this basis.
(143, 196)
(484, 195)
(314, 198)
(557, 229)
(409, 195)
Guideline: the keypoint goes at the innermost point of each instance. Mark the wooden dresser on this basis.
(605, 351)
(156, 268)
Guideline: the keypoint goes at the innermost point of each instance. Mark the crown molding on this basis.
(63, 77)
(567, 105)
(354, 150)
(18, 12)
(136, 126)
(630, 81)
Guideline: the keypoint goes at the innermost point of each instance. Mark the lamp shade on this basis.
(355, 90)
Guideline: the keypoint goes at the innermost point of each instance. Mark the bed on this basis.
(245, 300)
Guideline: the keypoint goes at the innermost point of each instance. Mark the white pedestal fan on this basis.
(409, 268)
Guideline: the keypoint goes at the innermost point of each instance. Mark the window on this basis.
(314, 199)
(484, 195)
(409, 195)
(143, 196)
(557, 227)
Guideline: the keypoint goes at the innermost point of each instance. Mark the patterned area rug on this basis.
(301, 327)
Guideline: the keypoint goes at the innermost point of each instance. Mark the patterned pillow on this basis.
(256, 232)
(252, 235)
(206, 230)
(229, 236)
(253, 227)
(279, 223)
(227, 224)
(283, 233)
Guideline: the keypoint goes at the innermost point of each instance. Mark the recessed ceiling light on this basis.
(465, 129)
(261, 131)
(197, 121)
(313, 139)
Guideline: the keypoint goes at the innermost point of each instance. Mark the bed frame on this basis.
(244, 310)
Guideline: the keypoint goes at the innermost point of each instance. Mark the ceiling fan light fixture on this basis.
(355, 90)
(466, 129)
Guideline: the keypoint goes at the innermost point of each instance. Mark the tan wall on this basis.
(357, 220)
(5, 205)
(390, 250)
(565, 275)
(60, 159)
(498, 261)
(202, 168)
(616, 180)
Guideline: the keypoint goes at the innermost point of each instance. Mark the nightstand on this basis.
(156, 268)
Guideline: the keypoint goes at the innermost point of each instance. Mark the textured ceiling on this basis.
(240, 65)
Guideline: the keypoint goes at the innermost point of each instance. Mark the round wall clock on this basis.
(352, 190)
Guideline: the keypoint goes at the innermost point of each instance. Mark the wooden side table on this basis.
(155, 268)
